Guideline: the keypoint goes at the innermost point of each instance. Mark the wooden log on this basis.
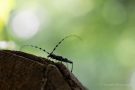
(23, 71)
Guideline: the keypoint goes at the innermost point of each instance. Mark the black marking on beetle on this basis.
(53, 56)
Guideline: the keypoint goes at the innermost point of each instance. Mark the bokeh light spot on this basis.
(114, 12)
(73, 7)
(125, 52)
(25, 24)
(7, 45)
(132, 81)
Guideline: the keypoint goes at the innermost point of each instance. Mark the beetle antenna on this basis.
(63, 40)
(35, 47)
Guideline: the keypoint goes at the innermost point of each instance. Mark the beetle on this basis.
(53, 56)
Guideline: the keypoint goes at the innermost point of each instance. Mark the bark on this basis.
(23, 71)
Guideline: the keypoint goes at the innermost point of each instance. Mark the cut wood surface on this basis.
(23, 71)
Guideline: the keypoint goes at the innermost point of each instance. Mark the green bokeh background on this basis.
(104, 59)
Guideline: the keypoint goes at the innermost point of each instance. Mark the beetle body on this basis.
(53, 56)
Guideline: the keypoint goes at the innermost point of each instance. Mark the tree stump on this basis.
(23, 71)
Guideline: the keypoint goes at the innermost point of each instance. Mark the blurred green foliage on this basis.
(104, 59)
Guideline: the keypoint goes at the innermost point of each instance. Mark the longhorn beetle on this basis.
(53, 56)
